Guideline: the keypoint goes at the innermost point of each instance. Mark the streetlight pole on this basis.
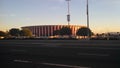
(68, 15)
(87, 7)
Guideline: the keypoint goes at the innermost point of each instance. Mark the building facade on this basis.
(47, 30)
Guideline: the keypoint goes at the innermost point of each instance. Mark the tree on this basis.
(56, 32)
(3, 34)
(14, 32)
(25, 32)
(84, 32)
(65, 31)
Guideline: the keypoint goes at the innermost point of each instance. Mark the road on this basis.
(60, 53)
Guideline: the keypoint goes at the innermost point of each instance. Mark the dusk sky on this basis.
(104, 14)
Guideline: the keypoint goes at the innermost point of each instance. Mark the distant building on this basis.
(47, 30)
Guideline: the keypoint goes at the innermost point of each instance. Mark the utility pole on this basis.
(87, 11)
(68, 15)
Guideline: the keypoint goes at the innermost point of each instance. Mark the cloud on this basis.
(12, 15)
(28, 19)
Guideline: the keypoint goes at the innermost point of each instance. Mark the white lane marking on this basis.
(51, 64)
(88, 54)
(22, 61)
(63, 65)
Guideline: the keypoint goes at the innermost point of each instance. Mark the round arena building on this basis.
(47, 30)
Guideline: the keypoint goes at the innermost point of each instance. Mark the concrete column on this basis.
(35, 30)
(51, 30)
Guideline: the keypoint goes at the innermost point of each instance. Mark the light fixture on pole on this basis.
(68, 15)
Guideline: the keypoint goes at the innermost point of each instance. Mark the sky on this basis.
(104, 14)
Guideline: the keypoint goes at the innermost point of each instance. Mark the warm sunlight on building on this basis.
(47, 30)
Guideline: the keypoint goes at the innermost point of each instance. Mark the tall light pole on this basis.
(87, 11)
(68, 15)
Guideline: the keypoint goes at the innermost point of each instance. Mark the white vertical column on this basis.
(36, 30)
(55, 27)
(51, 30)
(40, 30)
(58, 27)
(74, 30)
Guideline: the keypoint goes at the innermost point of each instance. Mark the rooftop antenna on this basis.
(68, 15)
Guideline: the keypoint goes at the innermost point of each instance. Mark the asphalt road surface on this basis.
(60, 53)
